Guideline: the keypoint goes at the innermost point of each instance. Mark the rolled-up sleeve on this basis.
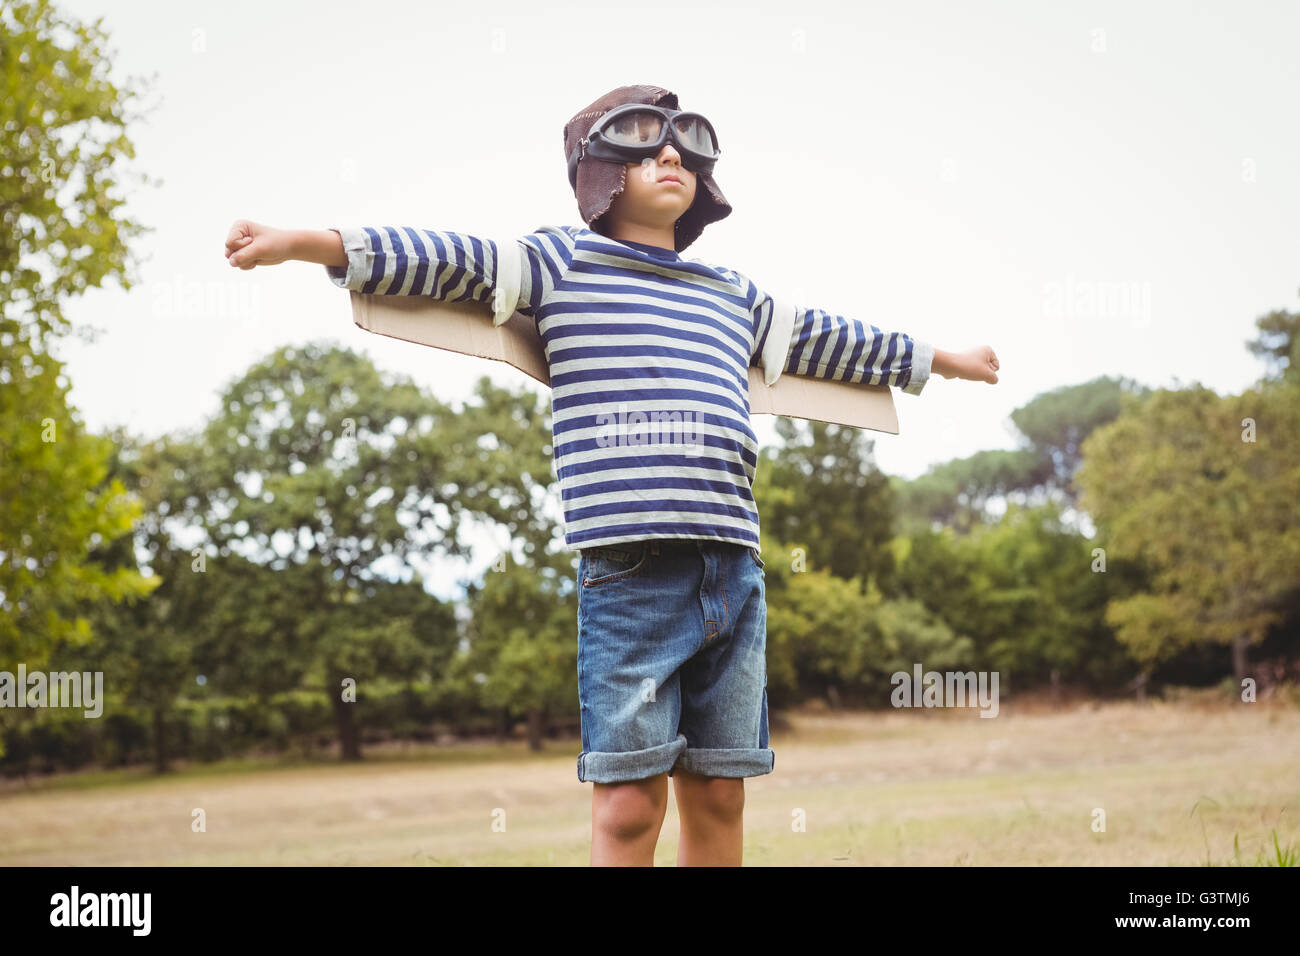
(826, 345)
(357, 249)
(450, 266)
(842, 349)
(922, 362)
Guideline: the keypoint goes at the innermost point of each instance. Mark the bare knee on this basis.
(626, 811)
(719, 798)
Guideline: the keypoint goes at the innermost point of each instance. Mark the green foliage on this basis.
(504, 471)
(62, 141)
(1025, 593)
(281, 538)
(1056, 423)
(312, 493)
(1177, 482)
(822, 489)
(63, 128)
(955, 494)
(205, 727)
(826, 635)
(522, 640)
(59, 511)
(1278, 344)
(1052, 427)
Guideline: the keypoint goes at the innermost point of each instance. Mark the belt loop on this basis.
(654, 547)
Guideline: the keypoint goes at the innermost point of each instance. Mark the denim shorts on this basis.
(672, 662)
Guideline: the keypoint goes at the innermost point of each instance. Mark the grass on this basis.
(412, 753)
(1282, 856)
(1174, 783)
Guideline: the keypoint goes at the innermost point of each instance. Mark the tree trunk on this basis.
(159, 741)
(503, 725)
(349, 741)
(1239, 664)
(536, 728)
(1056, 688)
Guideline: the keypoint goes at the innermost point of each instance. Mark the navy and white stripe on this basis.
(631, 328)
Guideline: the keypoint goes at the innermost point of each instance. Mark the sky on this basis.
(1089, 188)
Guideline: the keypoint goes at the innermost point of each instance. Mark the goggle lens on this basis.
(696, 134)
(639, 127)
(634, 129)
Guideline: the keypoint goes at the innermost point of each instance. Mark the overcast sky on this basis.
(1089, 188)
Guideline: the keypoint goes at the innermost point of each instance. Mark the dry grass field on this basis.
(1181, 784)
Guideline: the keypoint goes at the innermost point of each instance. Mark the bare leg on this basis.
(712, 818)
(626, 819)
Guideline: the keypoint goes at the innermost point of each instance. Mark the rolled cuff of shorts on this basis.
(922, 360)
(598, 767)
(727, 763)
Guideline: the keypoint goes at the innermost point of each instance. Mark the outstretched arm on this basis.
(250, 244)
(825, 345)
(388, 260)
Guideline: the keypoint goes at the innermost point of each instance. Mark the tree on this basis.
(62, 141)
(505, 473)
(146, 644)
(334, 476)
(522, 654)
(956, 493)
(823, 491)
(63, 127)
(1204, 490)
(1278, 344)
(827, 637)
(1056, 424)
(60, 510)
(522, 642)
(1023, 590)
(1041, 605)
(1052, 428)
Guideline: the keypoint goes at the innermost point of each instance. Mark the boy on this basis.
(672, 675)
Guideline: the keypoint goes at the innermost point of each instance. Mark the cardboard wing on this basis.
(468, 327)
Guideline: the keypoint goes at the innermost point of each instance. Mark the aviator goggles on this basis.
(635, 131)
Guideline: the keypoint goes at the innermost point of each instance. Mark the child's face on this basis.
(648, 198)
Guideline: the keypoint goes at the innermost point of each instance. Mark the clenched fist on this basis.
(249, 244)
(974, 365)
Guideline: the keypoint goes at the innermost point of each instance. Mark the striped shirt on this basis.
(648, 356)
